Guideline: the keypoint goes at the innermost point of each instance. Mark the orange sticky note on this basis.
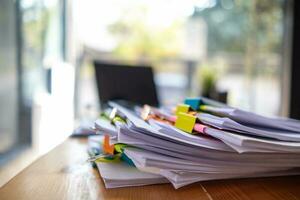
(107, 148)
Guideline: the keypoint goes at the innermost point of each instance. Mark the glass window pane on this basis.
(8, 76)
(42, 42)
(210, 47)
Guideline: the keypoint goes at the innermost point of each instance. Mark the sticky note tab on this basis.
(185, 122)
(203, 107)
(108, 159)
(107, 148)
(145, 112)
(120, 147)
(182, 108)
(194, 103)
(118, 119)
(125, 158)
(200, 128)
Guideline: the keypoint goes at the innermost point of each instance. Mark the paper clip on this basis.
(194, 103)
(96, 157)
(113, 114)
(114, 117)
(105, 158)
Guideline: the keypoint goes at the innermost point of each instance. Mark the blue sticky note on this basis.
(194, 103)
(126, 159)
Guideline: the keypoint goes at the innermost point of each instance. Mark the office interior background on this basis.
(243, 50)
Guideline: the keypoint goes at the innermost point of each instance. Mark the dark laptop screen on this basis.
(125, 82)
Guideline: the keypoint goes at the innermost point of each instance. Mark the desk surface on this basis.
(64, 173)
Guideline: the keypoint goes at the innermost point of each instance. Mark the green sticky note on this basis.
(203, 107)
(182, 108)
(119, 147)
(185, 122)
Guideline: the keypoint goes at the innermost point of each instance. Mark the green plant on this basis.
(208, 78)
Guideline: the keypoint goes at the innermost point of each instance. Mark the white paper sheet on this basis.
(106, 126)
(121, 174)
(196, 154)
(248, 118)
(230, 125)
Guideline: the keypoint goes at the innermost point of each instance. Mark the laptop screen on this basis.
(125, 82)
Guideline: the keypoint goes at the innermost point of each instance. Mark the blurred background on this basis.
(236, 51)
(194, 46)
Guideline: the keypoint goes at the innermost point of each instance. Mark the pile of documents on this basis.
(197, 140)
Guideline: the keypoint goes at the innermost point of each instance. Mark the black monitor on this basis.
(132, 83)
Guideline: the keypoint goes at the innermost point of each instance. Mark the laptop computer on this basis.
(131, 83)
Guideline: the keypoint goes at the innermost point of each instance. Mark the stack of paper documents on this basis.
(195, 141)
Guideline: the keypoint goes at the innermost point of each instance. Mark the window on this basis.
(31, 38)
(236, 45)
(8, 77)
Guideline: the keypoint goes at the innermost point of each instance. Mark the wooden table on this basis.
(64, 173)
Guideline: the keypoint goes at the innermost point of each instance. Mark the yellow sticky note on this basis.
(184, 108)
(185, 122)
